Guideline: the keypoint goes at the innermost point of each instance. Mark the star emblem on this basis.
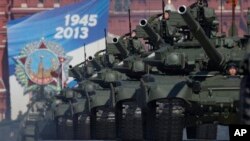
(41, 63)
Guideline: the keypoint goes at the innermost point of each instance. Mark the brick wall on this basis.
(3, 20)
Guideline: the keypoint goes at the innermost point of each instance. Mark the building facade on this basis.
(140, 9)
(3, 62)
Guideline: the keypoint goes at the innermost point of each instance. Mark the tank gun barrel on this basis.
(94, 63)
(200, 35)
(75, 72)
(121, 47)
(155, 37)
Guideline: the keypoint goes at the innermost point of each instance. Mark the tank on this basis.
(102, 98)
(102, 103)
(72, 112)
(172, 60)
(204, 96)
(38, 118)
(93, 112)
(175, 57)
(131, 105)
(87, 111)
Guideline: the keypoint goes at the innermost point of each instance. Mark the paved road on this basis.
(10, 132)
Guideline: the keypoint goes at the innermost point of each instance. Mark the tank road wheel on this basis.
(65, 129)
(103, 123)
(169, 120)
(130, 122)
(245, 100)
(204, 131)
(148, 116)
(82, 126)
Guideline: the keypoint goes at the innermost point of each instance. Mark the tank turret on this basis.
(200, 35)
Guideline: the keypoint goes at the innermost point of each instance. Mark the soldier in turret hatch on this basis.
(161, 26)
(206, 17)
(168, 31)
(232, 70)
(134, 45)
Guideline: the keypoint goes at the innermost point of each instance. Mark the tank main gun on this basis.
(200, 35)
(121, 47)
(154, 38)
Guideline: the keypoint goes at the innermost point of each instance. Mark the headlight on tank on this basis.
(138, 66)
(175, 60)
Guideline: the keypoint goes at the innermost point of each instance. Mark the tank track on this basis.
(148, 121)
(103, 123)
(131, 127)
(245, 100)
(204, 131)
(82, 126)
(169, 120)
(65, 129)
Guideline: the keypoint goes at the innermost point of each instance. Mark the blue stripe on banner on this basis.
(70, 26)
(72, 84)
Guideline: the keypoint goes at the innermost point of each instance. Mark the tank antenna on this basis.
(233, 16)
(85, 60)
(129, 20)
(106, 50)
(221, 26)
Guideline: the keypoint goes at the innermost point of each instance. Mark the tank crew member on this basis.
(134, 45)
(232, 70)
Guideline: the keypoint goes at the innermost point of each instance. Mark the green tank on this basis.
(175, 59)
(87, 111)
(170, 57)
(202, 98)
(103, 104)
(72, 112)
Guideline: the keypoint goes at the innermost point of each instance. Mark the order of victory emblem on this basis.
(42, 63)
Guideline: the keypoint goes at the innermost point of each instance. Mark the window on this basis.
(118, 5)
(57, 1)
(41, 1)
(126, 5)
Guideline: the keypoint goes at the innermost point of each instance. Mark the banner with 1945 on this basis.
(71, 26)
(41, 47)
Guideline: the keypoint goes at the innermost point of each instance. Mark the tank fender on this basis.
(80, 106)
(178, 90)
(99, 99)
(124, 94)
(61, 109)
